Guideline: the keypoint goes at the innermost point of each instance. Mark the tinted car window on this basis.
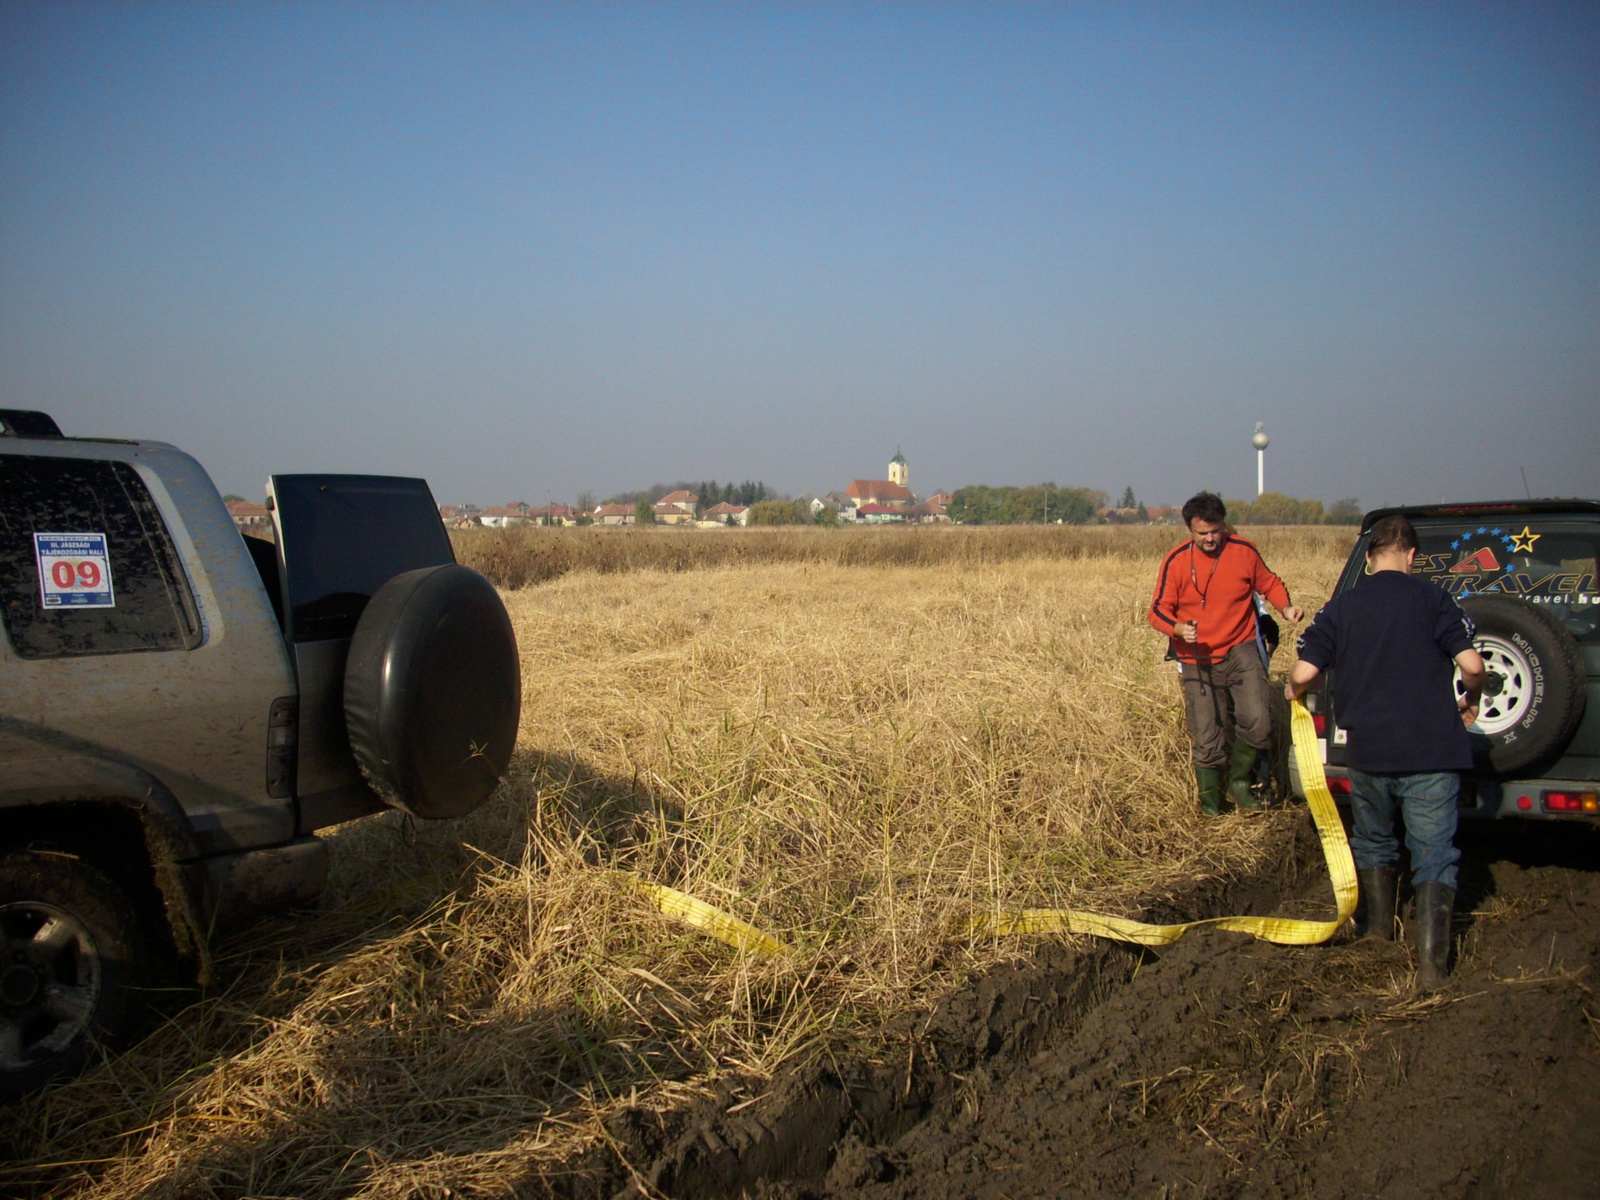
(344, 537)
(1547, 562)
(87, 565)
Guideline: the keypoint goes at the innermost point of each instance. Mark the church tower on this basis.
(898, 471)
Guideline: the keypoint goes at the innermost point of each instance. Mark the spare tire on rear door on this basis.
(1533, 698)
(433, 691)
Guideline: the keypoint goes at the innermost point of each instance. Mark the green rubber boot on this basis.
(1241, 773)
(1210, 781)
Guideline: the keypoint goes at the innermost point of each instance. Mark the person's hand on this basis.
(1469, 710)
(1289, 693)
(1189, 631)
(1294, 614)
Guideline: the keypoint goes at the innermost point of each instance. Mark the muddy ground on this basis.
(1220, 1067)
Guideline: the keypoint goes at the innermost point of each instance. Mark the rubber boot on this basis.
(1435, 904)
(1241, 773)
(1377, 889)
(1210, 781)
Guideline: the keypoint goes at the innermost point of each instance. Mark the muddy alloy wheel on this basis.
(68, 963)
(1533, 697)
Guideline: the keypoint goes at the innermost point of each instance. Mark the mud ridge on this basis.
(823, 1121)
(1222, 1068)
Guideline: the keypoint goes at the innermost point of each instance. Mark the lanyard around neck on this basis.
(1194, 578)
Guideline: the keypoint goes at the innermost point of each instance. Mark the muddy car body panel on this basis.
(194, 717)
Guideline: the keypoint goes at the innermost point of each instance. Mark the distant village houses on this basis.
(249, 516)
(676, 508)
(503, 516)
(865, 501)
(554, 514)
(888, 501)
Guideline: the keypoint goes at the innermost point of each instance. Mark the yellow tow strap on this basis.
(720, 925)
(1283, 930)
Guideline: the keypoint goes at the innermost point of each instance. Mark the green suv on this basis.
(1524, 572)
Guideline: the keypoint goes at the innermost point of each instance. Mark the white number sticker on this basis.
(74, 570)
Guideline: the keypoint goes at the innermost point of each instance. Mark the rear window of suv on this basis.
(87, 565)
(1548, 561)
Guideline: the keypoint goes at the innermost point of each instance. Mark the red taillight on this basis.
(1584, 802)
(1338, 785)
(1319, 722)
(1524, 802)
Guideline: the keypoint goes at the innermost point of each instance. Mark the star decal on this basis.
(1483, 567)
(1524, 541)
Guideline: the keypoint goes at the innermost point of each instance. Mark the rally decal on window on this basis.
(74, 570)
(1484, 561)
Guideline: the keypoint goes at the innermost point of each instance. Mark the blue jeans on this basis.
(1427, 802)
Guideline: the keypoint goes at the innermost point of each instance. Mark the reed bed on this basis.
(849, 757)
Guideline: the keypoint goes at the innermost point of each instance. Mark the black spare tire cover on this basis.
(433, 691)
(1534, 697)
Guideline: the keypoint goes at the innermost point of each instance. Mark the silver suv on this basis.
(183, 707)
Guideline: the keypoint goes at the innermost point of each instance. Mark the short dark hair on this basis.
(1391, 533)
(1208, 506)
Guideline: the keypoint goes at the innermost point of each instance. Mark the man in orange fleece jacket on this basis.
(1205, 602)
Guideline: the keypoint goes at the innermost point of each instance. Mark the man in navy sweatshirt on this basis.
(1394, 640)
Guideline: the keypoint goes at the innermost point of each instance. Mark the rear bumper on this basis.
(1486, 799)
(233, 889)
(1490, 798)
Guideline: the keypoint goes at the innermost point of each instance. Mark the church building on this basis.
(893, 492)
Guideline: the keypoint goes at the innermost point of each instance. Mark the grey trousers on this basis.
(1231, 695)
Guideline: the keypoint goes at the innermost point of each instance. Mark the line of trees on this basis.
(1275, 508)
(779, 512)
(730, 493)
(1040, 504)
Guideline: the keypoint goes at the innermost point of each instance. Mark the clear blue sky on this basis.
(529, 249)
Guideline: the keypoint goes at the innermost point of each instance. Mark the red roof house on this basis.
(879, 491)
(248, 515)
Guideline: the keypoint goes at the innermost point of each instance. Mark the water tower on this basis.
(1260, 443)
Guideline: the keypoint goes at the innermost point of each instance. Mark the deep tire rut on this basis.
(1222, 1067)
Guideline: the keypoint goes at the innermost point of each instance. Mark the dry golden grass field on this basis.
(847, 752)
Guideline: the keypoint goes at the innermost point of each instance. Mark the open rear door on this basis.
(341, 538)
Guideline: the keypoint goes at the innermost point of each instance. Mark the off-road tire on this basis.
(1535, 695)
(72, 958)
(433, 691)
